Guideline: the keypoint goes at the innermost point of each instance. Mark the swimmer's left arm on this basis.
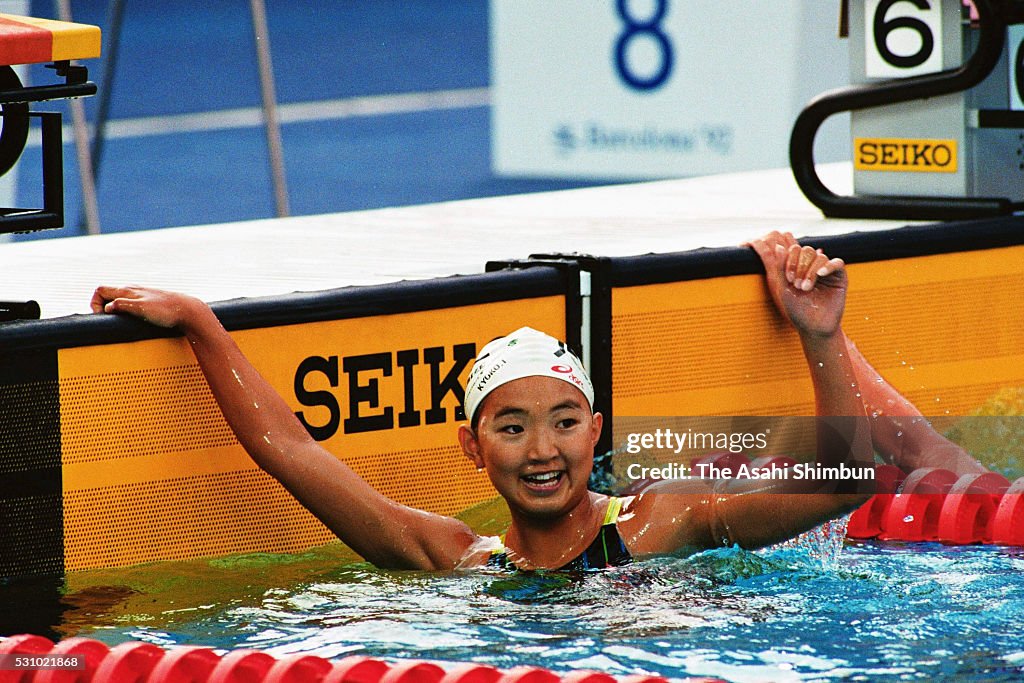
(696, 514)
(809, 289)
(898, 430)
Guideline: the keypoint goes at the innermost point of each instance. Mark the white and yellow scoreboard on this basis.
(657, 88)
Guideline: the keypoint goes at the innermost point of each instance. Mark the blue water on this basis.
(811, 611)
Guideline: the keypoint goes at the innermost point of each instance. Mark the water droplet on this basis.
(911, 367)
(858, 394)
(899, 433)
(820, 364)
(908, 519)
(879, 380)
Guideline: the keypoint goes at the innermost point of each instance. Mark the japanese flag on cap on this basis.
(524, 353)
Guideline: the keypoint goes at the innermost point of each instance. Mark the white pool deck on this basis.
(308, 253)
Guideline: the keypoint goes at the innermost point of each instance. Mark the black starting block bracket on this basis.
(15, 114)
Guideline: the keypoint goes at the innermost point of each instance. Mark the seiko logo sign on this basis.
(908, 155)
(364, 376)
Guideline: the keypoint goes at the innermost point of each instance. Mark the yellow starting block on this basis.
(27, 40)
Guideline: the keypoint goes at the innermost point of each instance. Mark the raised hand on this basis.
(808, 288)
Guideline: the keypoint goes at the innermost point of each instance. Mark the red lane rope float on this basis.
(413, 672)
(242, 666)
(969, 508)
(914, 512)
(128, 663)
(310, 669)
(935, 505)
(25, 644)
(929, 504)
(145, 663)
(188, 664)
(92, 650)
(472, 673)
(1008, 523)
(868, 521)
(355, 670)
(588, 677)
(529, 674)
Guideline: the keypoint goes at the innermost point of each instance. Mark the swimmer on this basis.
(532, 428)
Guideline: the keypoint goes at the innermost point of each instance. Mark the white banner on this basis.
(623, 89)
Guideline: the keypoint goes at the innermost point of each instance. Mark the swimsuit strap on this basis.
(607, 550)
(611, 514)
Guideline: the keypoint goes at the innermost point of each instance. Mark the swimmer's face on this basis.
(535, 437)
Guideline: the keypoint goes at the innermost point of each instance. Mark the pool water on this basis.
(814, 609)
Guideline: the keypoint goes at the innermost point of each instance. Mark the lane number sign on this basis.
(902, 38)
(643, 53)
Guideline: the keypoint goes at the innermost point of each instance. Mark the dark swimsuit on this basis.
(607, 550)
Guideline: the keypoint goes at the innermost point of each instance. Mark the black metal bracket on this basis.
(994, 18)
(600, 341)
(76, 84)
(574, 307)
(15, 113)
(52, 213)
(19, 310)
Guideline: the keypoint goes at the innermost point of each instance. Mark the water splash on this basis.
(823, 544)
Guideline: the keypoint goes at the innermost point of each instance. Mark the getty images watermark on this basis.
(729, 448)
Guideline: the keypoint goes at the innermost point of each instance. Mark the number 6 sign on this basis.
(902, 37)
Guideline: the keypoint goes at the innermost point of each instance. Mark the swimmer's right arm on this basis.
(380, 530)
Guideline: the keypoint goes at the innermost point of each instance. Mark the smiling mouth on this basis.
(543, 480)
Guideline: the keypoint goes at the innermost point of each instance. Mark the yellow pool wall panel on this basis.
(946, 330)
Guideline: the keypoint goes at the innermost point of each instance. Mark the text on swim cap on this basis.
(490, 373)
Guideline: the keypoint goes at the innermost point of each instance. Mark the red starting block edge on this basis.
(146, 663)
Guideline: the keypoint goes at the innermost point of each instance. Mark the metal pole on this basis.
(270, 117)
(115, 19)
(81, 129)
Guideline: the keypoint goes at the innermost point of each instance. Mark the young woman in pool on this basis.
(532, 428)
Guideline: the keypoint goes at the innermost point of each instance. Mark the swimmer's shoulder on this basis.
(665, 518)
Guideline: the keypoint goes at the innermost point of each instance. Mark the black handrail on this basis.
(992, 37)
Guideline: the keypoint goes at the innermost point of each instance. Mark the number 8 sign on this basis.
(902, 38)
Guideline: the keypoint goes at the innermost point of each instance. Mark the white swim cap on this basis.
(523, 353)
